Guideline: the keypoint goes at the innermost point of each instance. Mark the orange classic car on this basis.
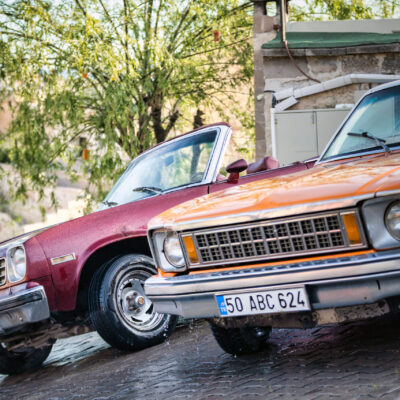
(315, 247)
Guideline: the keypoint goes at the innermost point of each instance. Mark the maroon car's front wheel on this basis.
(119, 309)
(22, 360)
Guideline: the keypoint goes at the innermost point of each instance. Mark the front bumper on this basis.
(330, 283)
(20, 306)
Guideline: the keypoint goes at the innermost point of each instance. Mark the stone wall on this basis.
(274, 71)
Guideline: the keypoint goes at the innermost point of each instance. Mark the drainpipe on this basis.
(283, 21)
(285, 43)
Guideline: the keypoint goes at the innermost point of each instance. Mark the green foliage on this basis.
(4, 156)
(124, 74)
(312, 10)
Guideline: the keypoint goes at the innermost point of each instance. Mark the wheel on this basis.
(120, 312)
(18, 361)
(239, 341)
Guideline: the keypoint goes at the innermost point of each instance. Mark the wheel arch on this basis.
(138, 245)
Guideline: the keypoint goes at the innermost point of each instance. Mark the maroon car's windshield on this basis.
(178, 163)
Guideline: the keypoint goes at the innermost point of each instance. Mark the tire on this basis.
(238, 341)
(120, 312)
(19, 361)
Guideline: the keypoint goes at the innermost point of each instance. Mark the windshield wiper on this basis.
(150, 189)
(109, 203)
(379, 141)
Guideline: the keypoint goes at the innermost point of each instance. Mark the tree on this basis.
(123, 74)
(311, 10)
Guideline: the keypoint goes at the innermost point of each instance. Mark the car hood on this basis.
(19, 240)
(23, 237)
(328, 181)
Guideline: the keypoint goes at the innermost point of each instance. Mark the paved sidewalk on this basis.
(354, 361)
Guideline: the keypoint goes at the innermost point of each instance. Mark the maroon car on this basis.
(88, 273)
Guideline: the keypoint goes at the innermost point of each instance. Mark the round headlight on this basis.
(173, 251)
(16, 265)
(392, 219)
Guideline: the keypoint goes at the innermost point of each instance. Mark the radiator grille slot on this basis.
(2, 271)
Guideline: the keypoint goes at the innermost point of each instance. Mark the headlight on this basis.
(16, 264)
(392, 219)
(173, 250)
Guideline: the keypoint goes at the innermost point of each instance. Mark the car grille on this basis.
(2, 271)
(271, 240)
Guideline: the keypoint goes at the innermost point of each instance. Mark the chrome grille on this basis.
(2, 271)
(274, 239)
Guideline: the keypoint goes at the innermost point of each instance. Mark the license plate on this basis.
(263, 302)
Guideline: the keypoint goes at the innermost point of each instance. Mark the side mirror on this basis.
(235, 169)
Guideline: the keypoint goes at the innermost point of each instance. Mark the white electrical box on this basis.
(301, 134)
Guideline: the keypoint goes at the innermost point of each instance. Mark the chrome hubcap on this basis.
(134, 307)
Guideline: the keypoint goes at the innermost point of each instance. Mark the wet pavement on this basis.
(353, 361)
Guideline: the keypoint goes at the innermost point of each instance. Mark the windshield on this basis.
(373, 126)
(179, 163)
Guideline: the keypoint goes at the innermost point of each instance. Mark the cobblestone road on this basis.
(353, 361)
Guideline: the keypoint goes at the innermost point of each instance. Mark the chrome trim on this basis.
(22, 307)
(271, 245)
(269, 275)
(214, 160)
(218, 155)
(3, 276)
(252, 216)
(384, 193)
(9, 263)
(63, 259)
(360, 154)
(157, 250)
(208, 170)
(374, 212)
(324, 294)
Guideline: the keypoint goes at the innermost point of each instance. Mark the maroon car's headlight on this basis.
(16, 264)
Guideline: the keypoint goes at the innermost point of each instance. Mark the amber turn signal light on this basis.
(190, 249)
(350, 223)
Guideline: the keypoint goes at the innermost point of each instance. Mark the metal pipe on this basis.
(283, 20)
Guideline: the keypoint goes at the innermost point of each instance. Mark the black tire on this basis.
(19, 361)
(120, 311)
(238, 341)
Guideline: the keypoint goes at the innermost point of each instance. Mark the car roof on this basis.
(383, 86)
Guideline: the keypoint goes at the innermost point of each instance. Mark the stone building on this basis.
(347, 57)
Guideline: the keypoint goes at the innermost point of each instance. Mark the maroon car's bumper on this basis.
(22, 305)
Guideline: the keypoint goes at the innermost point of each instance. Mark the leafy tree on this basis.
(122, 74)
(311, 10)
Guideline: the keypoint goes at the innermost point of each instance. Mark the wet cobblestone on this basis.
(353, 361)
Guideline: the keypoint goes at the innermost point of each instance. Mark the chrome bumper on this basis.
(338, 282)
(22, 307)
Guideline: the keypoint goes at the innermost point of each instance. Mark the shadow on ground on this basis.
(352, 361)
